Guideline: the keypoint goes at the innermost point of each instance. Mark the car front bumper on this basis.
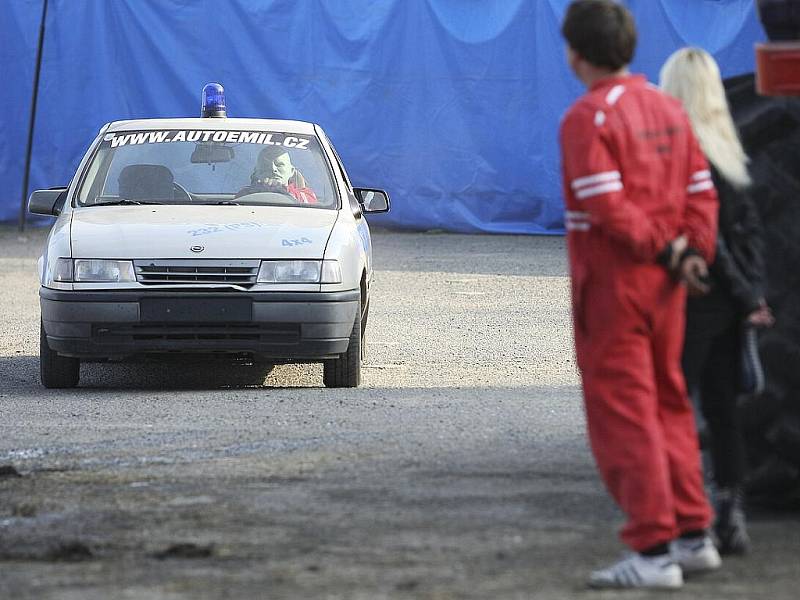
(277, 325)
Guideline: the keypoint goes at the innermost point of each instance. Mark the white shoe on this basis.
(695, 555)
(637, 571)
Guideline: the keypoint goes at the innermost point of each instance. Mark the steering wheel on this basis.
(259, 188)
(179, 188)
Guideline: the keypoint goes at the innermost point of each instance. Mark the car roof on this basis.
(225, 124)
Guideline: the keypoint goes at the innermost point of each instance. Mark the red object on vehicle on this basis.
(778, 69)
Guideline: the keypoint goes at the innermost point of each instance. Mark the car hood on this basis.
(200, 232)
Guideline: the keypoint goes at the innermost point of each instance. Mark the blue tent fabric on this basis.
(453, 106)
(19, 36)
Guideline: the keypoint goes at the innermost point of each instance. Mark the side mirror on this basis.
(372, 201)
(47, 202)
(205, 153)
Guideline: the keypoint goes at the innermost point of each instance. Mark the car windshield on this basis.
(175, 166)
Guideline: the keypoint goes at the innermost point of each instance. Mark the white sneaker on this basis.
(695, 555)
(637, 571)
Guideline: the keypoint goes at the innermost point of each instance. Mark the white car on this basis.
(211, 234)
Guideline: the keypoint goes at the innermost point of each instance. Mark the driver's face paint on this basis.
(282, 168)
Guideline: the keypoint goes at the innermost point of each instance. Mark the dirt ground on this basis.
(458, 470)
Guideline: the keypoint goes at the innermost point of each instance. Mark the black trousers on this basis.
(711, 366)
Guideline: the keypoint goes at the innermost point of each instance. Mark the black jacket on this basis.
(737, 274)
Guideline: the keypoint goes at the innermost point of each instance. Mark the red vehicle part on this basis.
(778, 69)
(778, 61)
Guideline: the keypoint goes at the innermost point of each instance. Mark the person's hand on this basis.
(677, 248)
(694, 272)
(271, 183)
(762, 316)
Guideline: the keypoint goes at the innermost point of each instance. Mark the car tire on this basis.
(345, 371)
(56, 371)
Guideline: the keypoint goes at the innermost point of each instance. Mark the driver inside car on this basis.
(274, 172)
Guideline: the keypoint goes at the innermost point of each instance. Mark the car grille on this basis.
(182, 272)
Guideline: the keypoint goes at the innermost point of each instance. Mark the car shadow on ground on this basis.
(21, 374)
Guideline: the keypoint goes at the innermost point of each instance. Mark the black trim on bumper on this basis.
(279, 325)
(136, 295)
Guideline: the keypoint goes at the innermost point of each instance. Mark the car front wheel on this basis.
(345, 371)
(56, 371)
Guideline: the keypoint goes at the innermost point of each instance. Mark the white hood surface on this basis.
(153, 231)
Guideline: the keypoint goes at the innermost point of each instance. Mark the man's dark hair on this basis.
(602, 32)
(269, 154)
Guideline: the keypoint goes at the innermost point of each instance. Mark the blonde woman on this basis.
(714, 322)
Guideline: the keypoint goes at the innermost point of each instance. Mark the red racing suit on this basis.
(304, 195)
(634, 179)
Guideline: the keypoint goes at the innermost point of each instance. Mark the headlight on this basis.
(103, 271)
(299, 271)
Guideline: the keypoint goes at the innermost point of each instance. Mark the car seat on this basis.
(146, 182)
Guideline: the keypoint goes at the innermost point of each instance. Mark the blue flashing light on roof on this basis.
(213, 101)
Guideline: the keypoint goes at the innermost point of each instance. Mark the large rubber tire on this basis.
(56, 371)
(345, 371)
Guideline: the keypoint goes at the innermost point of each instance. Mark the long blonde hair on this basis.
(692, 76)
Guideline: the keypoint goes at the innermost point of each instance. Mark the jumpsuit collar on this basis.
(620, 79)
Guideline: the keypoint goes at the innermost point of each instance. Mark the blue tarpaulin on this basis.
(451, 105)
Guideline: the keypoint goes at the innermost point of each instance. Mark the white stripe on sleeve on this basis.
(576, 214)
(596, 178)
(700, 175)
(603, 188)
(700, 186)
(578, 226)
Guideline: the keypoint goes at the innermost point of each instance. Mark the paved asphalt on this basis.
(459, 469)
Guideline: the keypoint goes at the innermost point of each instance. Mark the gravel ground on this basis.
(458, 470)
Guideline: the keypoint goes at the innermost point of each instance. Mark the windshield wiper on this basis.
(222, 203)
(126, 201)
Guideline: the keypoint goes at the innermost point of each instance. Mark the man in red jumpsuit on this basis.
(640, 212)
